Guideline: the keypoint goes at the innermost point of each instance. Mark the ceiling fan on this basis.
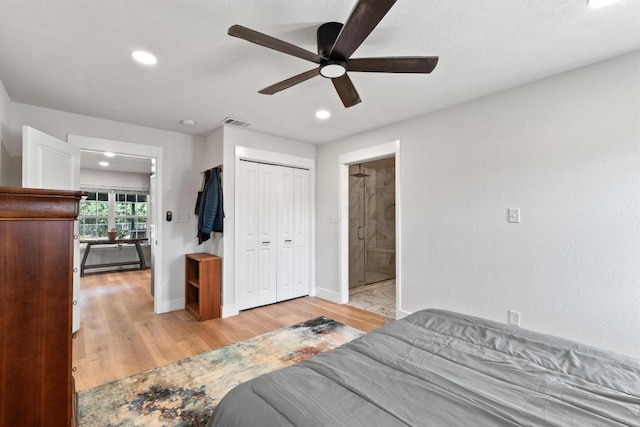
(336, 44)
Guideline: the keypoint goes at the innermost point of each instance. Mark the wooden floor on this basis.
(121, 336)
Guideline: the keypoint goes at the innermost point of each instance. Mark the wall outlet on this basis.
(514, 318)
(182, 218)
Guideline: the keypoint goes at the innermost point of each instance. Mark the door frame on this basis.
(344, 161)
(153, 152)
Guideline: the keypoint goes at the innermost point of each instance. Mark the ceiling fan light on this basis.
(333, 69)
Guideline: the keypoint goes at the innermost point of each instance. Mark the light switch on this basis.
(513, 214)
(333, 218)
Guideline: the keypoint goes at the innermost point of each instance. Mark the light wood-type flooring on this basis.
(121, 336)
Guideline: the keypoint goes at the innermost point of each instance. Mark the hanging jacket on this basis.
(211, 213)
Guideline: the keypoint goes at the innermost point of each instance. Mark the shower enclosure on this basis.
(372, 230)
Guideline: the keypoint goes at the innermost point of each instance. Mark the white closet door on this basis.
(301, 225)
(267, 233)
(285, 234)
(247, 239)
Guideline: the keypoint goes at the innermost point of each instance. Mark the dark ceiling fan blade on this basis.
(285, 84)
(398, 64)
(346, 90)
(272, 43)
(363, 19)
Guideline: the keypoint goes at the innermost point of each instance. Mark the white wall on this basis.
(6, 178)
(179, 178)
(210, 154)
(234, 137)
(107, 180)
(566, 151)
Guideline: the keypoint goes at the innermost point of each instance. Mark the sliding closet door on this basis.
(267, 233)
(301, 226)
(285, 234)
(247, 239)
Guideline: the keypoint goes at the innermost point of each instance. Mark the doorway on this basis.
(370, 255)
(154, 154)
(372, 236)
(116, 218)
(372, 233)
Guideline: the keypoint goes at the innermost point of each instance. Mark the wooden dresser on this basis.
(36, 276)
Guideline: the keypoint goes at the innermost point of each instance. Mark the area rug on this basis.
(185, 393)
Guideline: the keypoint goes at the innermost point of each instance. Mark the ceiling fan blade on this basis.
(272, 43)
(398, 64)
(346, 91)
(363, 19)
(285, 84)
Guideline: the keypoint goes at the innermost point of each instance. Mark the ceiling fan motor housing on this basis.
(327, 36)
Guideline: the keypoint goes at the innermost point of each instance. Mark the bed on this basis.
(438, 368)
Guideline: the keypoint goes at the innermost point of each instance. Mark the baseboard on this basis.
(229, 310)
(332, 296)
(171, 305)
(401, 313)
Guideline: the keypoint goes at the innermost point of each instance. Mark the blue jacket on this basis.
(211, 213)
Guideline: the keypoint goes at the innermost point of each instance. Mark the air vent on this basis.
(236, 122)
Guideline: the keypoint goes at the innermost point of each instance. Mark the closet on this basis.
(273, 214)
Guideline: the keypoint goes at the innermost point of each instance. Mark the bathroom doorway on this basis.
(372, 236)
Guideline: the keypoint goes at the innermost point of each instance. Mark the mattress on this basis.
(439, 368)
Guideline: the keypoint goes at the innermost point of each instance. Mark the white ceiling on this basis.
(73, 55)
(119, 163)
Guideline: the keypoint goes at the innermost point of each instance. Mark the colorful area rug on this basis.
(185, 393)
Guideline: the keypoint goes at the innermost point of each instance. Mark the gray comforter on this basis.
(437, 368)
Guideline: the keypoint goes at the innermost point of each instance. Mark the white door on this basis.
(285, 233)
(301, 225)
(267, 233)
(272, 252)
(48, 162)
(247, 239)
(151, 217)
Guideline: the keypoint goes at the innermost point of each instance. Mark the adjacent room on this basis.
(258, 213)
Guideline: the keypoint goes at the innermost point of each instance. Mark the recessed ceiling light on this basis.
(104, 163)
(109, 154)
(144, 57)
(596, 4)
(188, 122)
(323, 114)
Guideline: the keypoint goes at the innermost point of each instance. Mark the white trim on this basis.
(252, 154)
(172, 305)
(401, 313)
(115, 188)
(332, 296)
(261, 156)
(151, 151)
(344, 160)
(229, 310)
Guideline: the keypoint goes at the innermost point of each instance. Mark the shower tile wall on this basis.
(374, 196)
(382, 259)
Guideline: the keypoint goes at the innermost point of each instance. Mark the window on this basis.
(131, 215)
(103, 211)
(94, 216)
